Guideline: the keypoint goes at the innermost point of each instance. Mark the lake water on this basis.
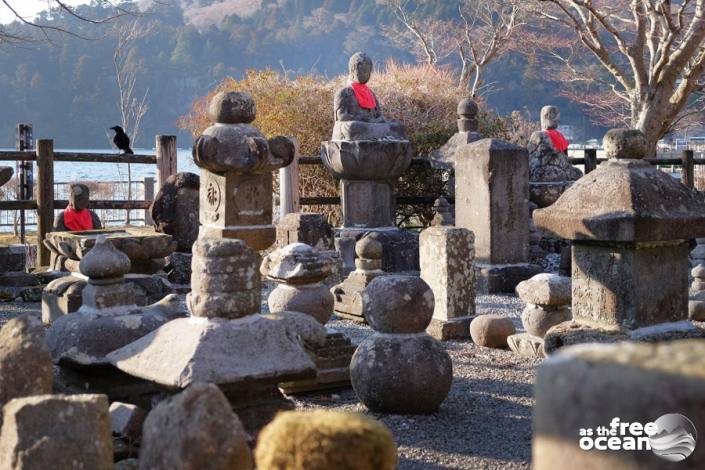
(76, 171)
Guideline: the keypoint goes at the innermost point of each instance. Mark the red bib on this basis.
(77, 221)
(557, 139)
(364, 95)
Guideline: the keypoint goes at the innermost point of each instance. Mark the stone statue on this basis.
(77, 216)
(358, 114)
(550, 172)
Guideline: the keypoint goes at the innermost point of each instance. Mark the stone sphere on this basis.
(467, 108)
(401, 374)
(232, 107)
(369, 247)
(104, 261)
(491, 331)
(624, 144)
(323, 440)
(538, 320)
(313, 299)
(398, 304)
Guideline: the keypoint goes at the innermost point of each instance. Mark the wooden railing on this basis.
(44, 204)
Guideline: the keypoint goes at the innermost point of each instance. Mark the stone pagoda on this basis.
(227, 341)
(300, 272)
(368, 153)
(630, 224)
(107, 320)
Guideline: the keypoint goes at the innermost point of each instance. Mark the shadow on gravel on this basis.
(501, 387)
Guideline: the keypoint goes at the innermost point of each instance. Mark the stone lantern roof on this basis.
(625, 200)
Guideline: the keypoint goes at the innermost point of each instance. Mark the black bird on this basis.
(121, 140)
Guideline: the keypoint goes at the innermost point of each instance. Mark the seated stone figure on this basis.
(77, 217)
(548, 161)
(358, 115)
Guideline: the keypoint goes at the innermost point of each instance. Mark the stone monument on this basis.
(77, 217)
(492, 201)
(400, 369)
(446, 255)
(630, 224)
(550, 172)
(368, 266)
(300, 272)
(175, 212)
(547, 298)
(649, 394)
(226, 341)
(368, 153)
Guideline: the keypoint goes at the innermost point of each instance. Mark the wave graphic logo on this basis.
(675, 438)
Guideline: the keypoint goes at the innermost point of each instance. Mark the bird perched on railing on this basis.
(121, 140)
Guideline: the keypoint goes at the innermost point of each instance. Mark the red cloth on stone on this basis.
(77, 221)
(557, 139)
(364, 95)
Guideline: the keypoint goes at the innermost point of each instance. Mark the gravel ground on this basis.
(484, 423)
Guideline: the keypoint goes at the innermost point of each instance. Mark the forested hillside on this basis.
(67, 87)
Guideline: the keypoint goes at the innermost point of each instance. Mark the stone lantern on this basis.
(630, 224)
(227, 341)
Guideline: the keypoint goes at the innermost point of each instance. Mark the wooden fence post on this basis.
(590, 160)
(289, 185)
(688, 169)
(24, 140)
(45, 197)
(166, 158)
(148, 196)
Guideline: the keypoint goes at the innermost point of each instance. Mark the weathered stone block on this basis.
(367, 203)
(613, 284)
(492, 199)
(56, 431)
(303, 227)
(502, 278)
(446, 257)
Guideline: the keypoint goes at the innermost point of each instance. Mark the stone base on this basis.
(110, 381)
(256, 406)
(65, 295)
(574, 332)
(502, 278)
(400, 247)
(332, 365)
(455, 328)
(19, 285)
(526, 345)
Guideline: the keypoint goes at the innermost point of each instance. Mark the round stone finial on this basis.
(369, 247)
(232, 107)
(550, 117)
(467, 108)
(398, 304)
(104, 261)
(624, 144)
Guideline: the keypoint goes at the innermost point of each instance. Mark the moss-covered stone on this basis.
(324, 440)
